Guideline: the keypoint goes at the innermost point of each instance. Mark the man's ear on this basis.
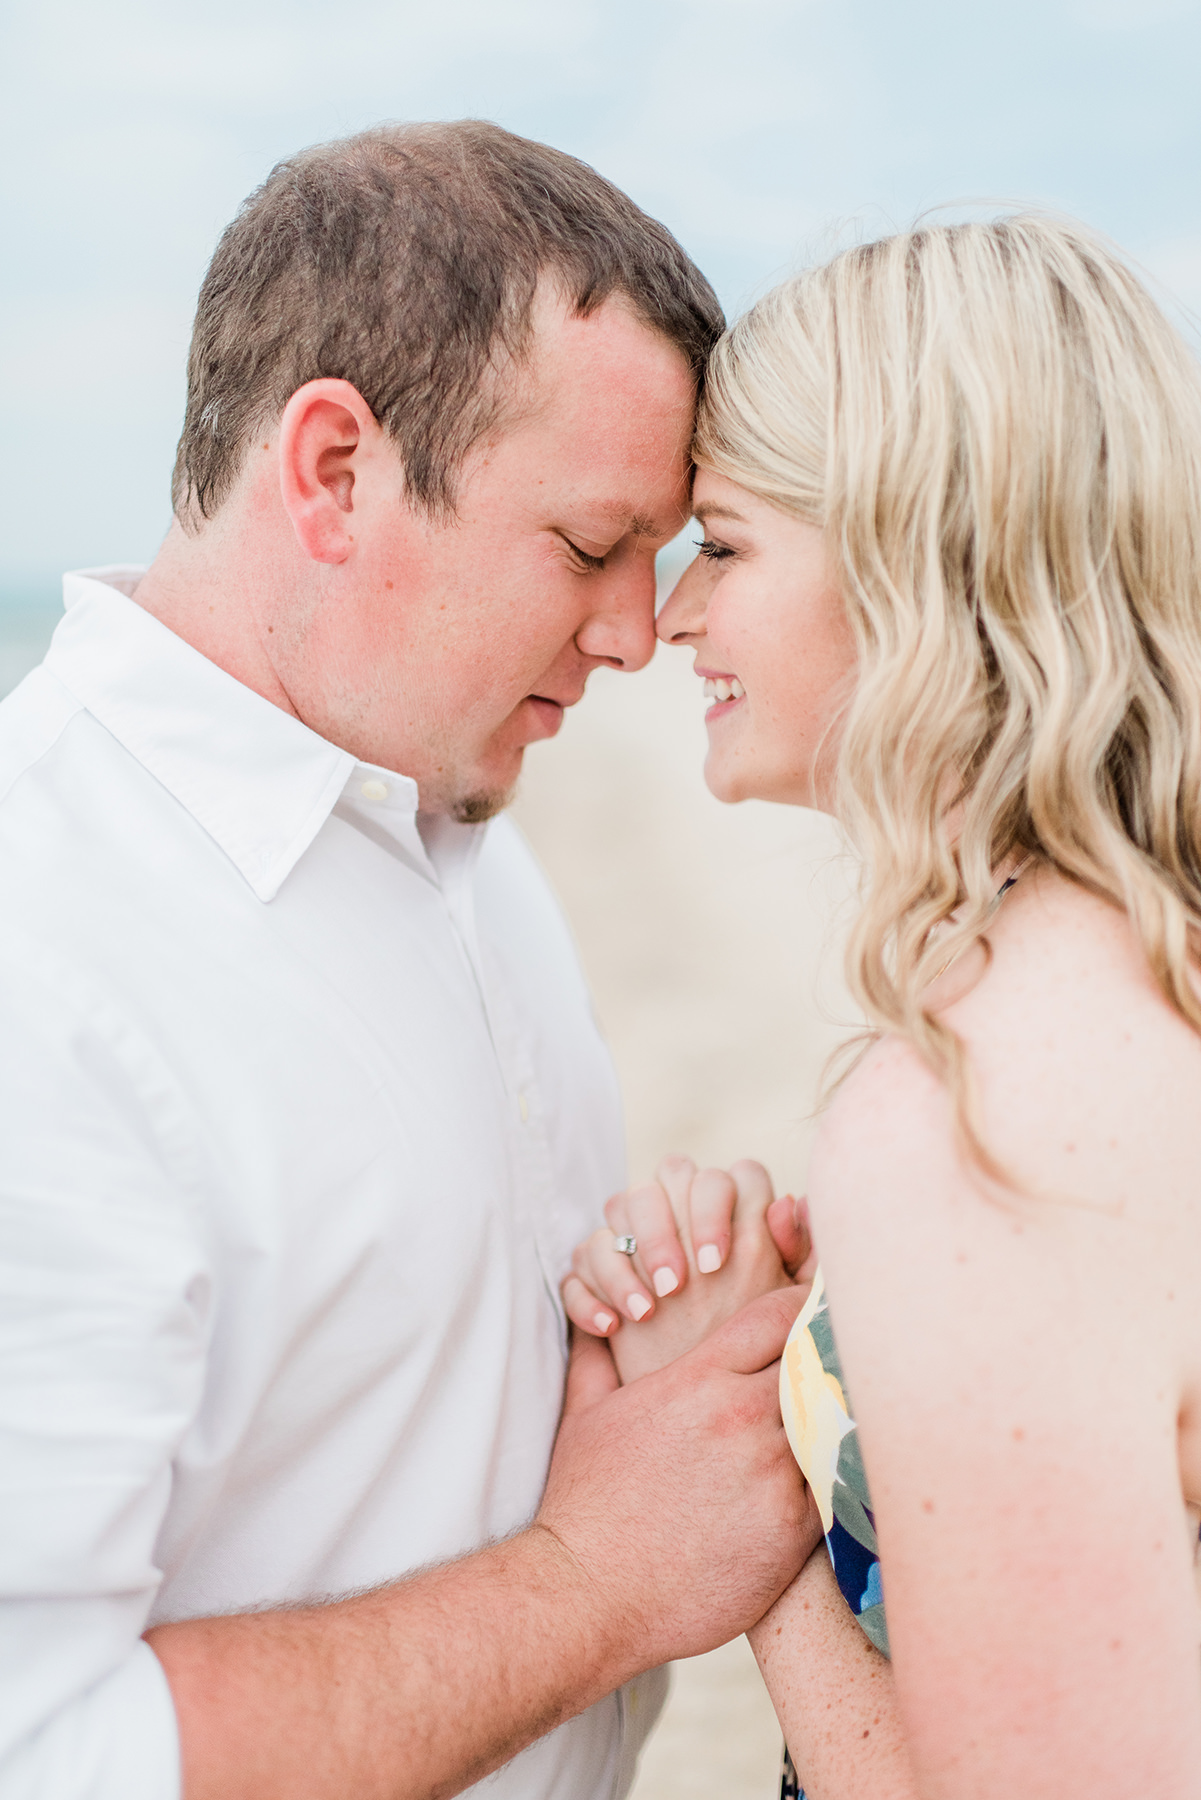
(325, 429)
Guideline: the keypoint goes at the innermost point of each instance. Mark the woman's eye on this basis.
(714, 552)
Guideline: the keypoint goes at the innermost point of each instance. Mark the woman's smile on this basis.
(725, 690)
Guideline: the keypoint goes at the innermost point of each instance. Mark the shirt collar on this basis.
(256, 779)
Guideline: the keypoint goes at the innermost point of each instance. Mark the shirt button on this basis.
(374, 790)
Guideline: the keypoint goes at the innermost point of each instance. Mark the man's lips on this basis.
(547, 715)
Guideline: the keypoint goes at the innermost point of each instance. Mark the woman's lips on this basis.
(726, 691)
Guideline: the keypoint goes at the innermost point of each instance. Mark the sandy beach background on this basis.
(710, 936)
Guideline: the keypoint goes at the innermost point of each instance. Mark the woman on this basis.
(950, 589)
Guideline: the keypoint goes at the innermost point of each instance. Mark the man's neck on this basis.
(209, 594)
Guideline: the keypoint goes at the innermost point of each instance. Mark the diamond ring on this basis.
(625, 1246)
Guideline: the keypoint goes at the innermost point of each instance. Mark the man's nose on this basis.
(621, 631)
(683, 613)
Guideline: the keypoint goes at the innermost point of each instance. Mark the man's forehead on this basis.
(605, 349)
(603, 407)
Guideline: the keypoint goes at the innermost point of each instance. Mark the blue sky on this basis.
(757, 129)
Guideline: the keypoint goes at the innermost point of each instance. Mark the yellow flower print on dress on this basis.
(825, 1442)
(816, 1415)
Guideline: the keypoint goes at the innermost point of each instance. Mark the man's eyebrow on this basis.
(631, 522)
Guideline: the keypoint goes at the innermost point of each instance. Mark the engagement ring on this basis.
(625, 1246)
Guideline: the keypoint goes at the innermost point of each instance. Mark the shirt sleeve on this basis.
(103, 1291)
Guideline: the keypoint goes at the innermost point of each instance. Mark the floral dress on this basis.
(825, 1442)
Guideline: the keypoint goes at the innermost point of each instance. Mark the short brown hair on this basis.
(405, 260)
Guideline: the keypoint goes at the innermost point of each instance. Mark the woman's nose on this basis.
(683, 612)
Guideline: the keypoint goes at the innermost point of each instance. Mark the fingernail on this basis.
(666, 1282)
(639, 1306)
(708, 1259)
(603, 1321)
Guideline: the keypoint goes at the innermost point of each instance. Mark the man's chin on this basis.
(472, 794)
(485, 803)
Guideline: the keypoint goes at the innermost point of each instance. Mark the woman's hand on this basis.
(708, 1242)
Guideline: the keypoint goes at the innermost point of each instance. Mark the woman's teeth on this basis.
(718, 688)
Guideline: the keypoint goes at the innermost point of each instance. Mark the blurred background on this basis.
(764, 133)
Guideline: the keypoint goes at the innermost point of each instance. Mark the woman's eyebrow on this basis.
(714, 511)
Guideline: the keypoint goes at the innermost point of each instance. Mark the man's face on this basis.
(454, 645)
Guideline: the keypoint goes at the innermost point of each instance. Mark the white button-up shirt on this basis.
(302, 1108)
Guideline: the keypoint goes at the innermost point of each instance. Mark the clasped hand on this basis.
(708, 1241)
(676, 1492)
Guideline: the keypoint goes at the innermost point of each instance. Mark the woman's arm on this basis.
(833, 1693)
(1013, 1370)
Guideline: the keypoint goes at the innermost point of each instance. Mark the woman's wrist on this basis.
(832, 1690)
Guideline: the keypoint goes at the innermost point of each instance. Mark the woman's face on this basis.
(763, 612)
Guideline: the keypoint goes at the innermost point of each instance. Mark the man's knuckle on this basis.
(742, 1414)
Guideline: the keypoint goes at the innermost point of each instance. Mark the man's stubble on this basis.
(484, 804)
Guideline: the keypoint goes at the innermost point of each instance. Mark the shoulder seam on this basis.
(95, 1009)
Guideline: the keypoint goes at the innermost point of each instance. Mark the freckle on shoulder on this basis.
(892, 1086)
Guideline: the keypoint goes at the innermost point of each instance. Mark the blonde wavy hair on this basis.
(1000, 434)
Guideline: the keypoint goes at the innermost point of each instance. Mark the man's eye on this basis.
(713, 552)
(589, 562)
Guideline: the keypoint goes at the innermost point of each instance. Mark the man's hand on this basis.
(678, 1497)
(673, 1519)
(708, 1243)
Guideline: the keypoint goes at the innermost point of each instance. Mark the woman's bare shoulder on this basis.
(1085, 1079)
(1087, 1082)
(1084, 1068)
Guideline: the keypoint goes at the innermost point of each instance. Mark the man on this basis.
(303, 1105)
